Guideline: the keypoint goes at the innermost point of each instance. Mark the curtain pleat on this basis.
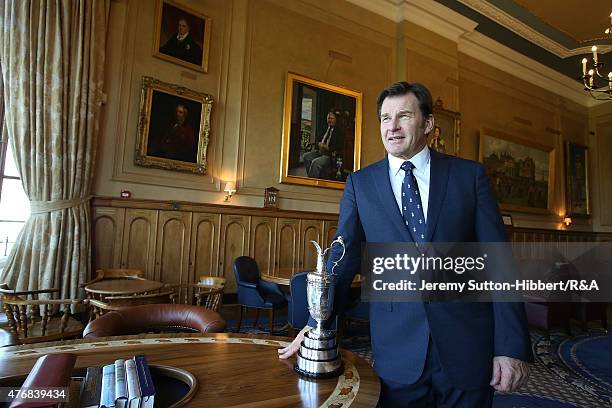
(52, 54)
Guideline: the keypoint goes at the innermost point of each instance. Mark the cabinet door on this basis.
(288, 244)
(204, 251)
(234, 243)
(107, 237)
(262, 243)
(329, 230)
(310, 230)
(139, 237)
(172, 249)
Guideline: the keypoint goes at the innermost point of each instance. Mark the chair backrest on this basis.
(34, 320)
(298, 306)
(245, 270)
(207, 293)
(212, 281)
(147, 318)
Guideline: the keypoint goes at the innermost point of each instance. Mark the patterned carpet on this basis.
(552, 384)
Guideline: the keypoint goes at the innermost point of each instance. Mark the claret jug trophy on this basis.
(318, 356)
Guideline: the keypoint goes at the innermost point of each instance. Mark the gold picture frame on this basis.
(521, 172)
(577, 180)
(321, 133)
(173, 127)
(445, 136)
(174, 21)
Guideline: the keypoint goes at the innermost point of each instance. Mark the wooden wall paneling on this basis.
(310, 230)
(139, 236)
(329, 231)
(288, 244)
(262, 243)
(234, 243)
(204, 248)
(107, 237)
(172, 248)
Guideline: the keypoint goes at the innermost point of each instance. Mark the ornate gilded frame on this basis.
(577, 180)
(179, 95)
(288, 144)
(450, 124)
(204, 38)
(515, 183)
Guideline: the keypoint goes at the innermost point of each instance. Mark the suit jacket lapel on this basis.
(438, 180)
(387, 199)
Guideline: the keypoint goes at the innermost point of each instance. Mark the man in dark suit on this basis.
(182, 45)
(318, 162)
(428, 354)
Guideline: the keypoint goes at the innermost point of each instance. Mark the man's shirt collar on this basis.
(419, 160)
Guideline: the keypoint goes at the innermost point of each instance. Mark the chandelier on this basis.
(591, 77)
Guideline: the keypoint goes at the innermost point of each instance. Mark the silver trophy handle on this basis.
(340, 241)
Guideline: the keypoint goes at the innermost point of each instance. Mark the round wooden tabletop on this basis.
(231, 369)
(123, 286)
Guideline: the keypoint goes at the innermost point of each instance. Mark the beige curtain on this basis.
(52, 54)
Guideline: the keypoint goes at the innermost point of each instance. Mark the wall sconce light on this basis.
(567, 220)
(230, 188)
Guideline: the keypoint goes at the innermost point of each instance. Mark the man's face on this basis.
(183, 27)
(181, 114)
(402, 126)
(331, 119)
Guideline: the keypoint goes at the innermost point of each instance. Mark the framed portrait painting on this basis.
(173, 128)
(446, 132)
(321, 133)
(521, 171)
(182, 35)
(577, 179)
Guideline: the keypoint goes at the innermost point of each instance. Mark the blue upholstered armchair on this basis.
(256, 293)
(297, 315)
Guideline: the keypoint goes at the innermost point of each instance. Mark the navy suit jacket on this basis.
(466, 335)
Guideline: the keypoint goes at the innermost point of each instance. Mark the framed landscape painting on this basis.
(521, 171)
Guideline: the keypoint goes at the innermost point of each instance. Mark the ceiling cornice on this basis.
(460, 29)
(518, 27)
(425, 13)
(491, 52)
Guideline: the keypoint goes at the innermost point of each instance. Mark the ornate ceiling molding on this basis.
(441, 20)
(518, 27)
(425, 13)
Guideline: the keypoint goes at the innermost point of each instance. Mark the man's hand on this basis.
(324, 147)
(291, 349)
(508, 373)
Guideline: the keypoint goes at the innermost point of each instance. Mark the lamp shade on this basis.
(230, 187)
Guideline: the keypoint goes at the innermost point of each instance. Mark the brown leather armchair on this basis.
(155, 318)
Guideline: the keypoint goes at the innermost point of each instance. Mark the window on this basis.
(14, 204)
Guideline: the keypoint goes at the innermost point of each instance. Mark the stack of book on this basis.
(124, 384)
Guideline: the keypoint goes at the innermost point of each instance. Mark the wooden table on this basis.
(231, 369)
(118, 287)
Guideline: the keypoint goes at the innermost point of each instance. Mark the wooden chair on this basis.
(207, 293)
(102, 274)
(114, 303)
(34, 320)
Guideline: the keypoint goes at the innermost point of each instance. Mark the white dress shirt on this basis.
(421, 171)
